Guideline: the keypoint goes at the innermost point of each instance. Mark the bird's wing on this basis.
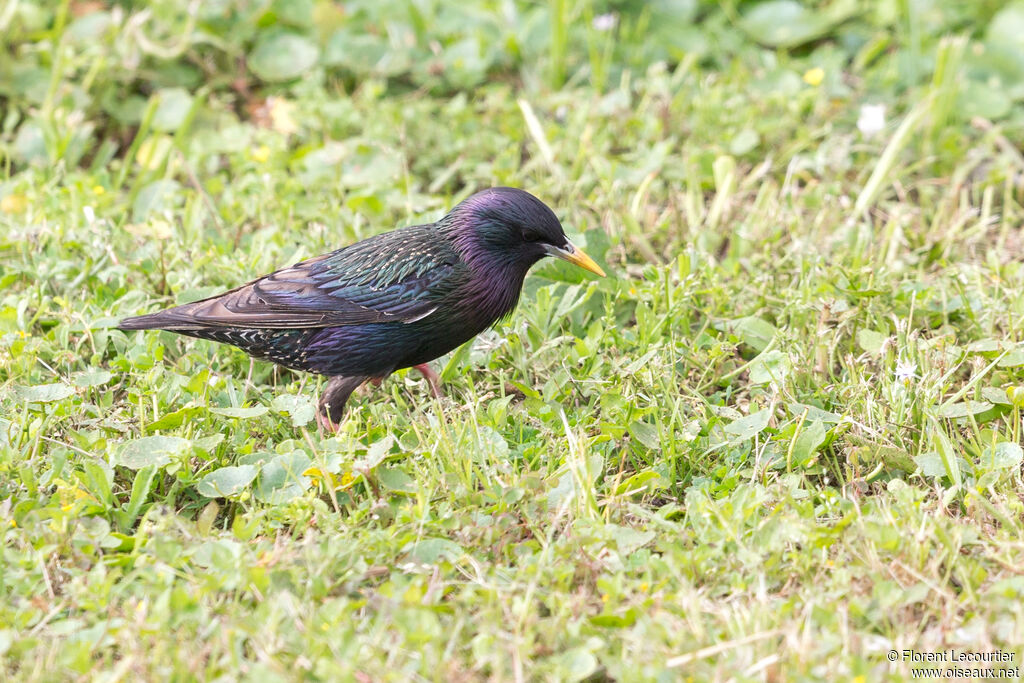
(399, 276)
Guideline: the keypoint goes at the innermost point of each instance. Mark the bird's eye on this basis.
(531, 235)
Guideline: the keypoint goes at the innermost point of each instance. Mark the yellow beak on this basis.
(575, 256)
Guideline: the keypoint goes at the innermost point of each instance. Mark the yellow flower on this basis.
(329, 479)
(261, 154)
(814, 76)
(98, 190)
(644, 587)
(13, 203)
(604, 597)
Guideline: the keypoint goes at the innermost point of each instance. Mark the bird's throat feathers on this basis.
(492, 297)
(496, 275)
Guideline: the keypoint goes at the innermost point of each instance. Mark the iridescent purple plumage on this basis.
(395, 300)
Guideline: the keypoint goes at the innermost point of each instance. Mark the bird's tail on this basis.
(176, 319)
(153, 321)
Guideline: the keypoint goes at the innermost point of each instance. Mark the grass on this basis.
(781, 439)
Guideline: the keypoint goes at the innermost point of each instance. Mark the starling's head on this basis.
(504, 225)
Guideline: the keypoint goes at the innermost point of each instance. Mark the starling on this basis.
(396, 300)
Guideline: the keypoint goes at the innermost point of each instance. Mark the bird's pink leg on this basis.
(333, 399)
(432, 377)
(326, 424)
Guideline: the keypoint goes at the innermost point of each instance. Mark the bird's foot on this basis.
(432, 377)
(327, 424)
(333, 399)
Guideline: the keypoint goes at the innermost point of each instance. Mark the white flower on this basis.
(90, 214)
(905, 371)
(871, 120)
(606, 22)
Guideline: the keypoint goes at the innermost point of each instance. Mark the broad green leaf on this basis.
(988, 347)
(395, 479)
(157, 451)
(175, 419)
(91, 378)
(572, 298)
(240, 413)
(930, 464)
(755, 332)
(1007, 26)
(89, 27)
(1014, 358)
(771, 366)
(787, 23)
(638, 483)
(281, 479)
(743, 142)
(140, 494)
(563, 491)
(962, 409)
(629, 539)
(1003, 455)
(748, 427)
(360, 53)
(283, 56)
(948, 455)
(871, 341)
(431, 550)
(220, 555)
(172, 110)
(375, 454)
(301, 410)
(227, 481)
(647, 434)
(979, 99)
(996, 395)
(577, 664)
(808, 441)
(615, 620)
(813, 413)
(208, 443)
(491, 445)
(99, 479)
(30, 144)
(294, 12)
(44, 393)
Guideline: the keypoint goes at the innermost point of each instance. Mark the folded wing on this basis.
(398, 276)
